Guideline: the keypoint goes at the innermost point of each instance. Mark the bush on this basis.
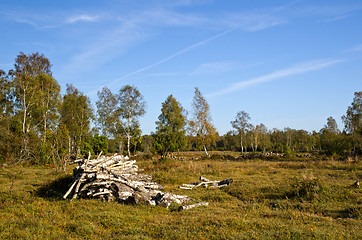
(86, 149)
(306, 189)
(287, 152)
(145, 156)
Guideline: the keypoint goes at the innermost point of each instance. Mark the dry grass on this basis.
(262, 203)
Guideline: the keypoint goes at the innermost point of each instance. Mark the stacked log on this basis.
(116, 178)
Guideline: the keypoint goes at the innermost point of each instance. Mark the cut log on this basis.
(169, 198)
(203, 179)
(225, 182)
(70, 189)
(187, 207)
(207, 183)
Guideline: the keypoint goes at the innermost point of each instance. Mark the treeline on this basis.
(38, 125)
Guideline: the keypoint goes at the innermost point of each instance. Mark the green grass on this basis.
(279, 199)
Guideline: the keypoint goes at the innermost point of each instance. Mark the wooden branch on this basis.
(70, 189)
(99, 155)
(77, 187)
(86, 162)
(77, 161)
(203, 179)
(206, 183)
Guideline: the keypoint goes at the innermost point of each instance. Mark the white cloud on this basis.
(82, 18)
(138, 26)
(329, 12)
(38, 20)
(182, 51)
(357, 48)
(164, 17)
(105, 47)
(297, 69)
(337, 18)
(251, 22)
(220, 67)
(214, 68)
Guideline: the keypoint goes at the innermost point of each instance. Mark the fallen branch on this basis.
(207, 183)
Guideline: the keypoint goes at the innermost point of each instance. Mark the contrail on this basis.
(186, 49)
(298, 69)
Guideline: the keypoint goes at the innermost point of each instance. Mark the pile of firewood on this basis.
(116, 178)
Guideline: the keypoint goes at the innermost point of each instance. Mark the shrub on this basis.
(306, 189)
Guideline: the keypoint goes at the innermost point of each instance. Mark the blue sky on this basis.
(287, 63)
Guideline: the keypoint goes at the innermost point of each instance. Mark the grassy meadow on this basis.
(277, 198)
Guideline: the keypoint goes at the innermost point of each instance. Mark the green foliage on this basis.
(353, 117)
(38, 126)
(147, 144)
(131, 107)
(306, 189)
(36, 95)
(6, 95)
(100, 144)
(353, 122)
(112, 146)
(170, 135)
(174, 207)
(76, 114)
(59, 142)
(241, 125)
(287, 152)
(107, 111)
(118, 115)
(136, 140)
(86, 149)
(200, 126)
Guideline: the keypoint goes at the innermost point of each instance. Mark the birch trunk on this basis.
(207, 154)
(25, 112)
(120, 145)
(241, 143)
(128, 144)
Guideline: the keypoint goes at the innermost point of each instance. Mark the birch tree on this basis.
(35, 90)
(107, 111)
(49, 101)
(26, 84)
(353, 118)
(241, 125)
(76, 114)
(131, 106)
(353, 122)
(201, 126)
